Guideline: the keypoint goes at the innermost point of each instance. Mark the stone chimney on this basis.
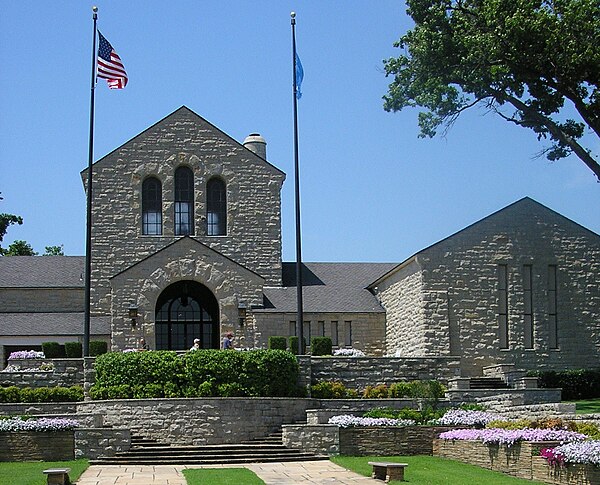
(257, 144)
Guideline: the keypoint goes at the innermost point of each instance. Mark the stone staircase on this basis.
(487, 383)
(146, 451)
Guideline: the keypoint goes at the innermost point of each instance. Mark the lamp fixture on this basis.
(133, 313)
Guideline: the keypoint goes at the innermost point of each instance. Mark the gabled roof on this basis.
(183, 240)
(526, 203)
(42, 271)
(327, 288)
(185, 110)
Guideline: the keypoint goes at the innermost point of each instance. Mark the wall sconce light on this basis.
(133, 313)
(242, 308)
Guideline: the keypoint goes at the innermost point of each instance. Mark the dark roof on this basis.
(328, 288)
(41, 271)
(30, 324)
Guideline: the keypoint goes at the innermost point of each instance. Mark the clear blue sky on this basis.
(371, 190)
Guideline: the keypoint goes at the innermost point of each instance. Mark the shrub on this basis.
(231, 389)
(589, 429)
(320, 346)
(53, 350)
(575, 384)
(332, 390)
(73, 350)
(553, 423)
(418, 416)
(502, 424)
(293, 346)
(277, 343)
(399, 389)
(98, 347)
(376, 392)
(11, 394)
(433, 390)
(41, 394)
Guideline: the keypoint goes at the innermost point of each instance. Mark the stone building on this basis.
(187, 244)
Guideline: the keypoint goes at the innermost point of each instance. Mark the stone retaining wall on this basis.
(360, 372)
(36, 446)
(520, 460)
(200, 421)
(502, 400)
(93, 443)
(19, 409)
(66, 373)
(574, 474)
(405, 440)
(322, 439)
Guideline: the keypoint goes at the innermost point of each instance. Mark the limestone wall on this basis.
(36, 446)
(183, 139)
(360, 372)
(93, 443)
(200, 421)
(66, 373)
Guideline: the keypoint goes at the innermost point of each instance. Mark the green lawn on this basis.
(431, 470)
(30, 472)
(221, 476)
(587, 406)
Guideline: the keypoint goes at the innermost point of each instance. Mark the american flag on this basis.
(110, 66)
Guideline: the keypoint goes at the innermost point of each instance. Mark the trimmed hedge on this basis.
(293, 345)
(98, 347)
(321, 346)
(427, 390)
(575, 383)
(53, 350)
(202, 373)
(73, 350)
(277, 343)
(14, 394)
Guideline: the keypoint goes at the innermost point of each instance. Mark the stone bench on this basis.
(58, 476)
(384, 470)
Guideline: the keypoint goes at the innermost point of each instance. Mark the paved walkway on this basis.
(316, 472)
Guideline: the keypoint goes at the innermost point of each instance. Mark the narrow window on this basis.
(503, 305)
(184, 201)
(527, 307)
(306, 332)
(348, 333)
(216, 208)
(552, 307)
(334, 333)
(292, 328)
(151, 207)
(320, 332)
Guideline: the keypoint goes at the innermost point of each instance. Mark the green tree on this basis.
(526, 60)
(55, 251)
(19, 248)
(7, 220)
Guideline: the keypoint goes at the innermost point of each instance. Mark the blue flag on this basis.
(299, 76)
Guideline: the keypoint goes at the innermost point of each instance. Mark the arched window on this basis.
(152, 207)
(184, 201)
(216, 207)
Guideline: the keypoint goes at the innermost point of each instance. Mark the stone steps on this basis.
(148, 451)
(487, 383)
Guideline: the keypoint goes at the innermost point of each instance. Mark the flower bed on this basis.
(347, 421)
(349, 353)
(461, 417)
(509, 437)
(26, 354)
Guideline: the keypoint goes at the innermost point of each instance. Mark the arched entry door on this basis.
(185, 311)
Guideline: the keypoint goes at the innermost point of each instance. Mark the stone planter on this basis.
(376, 440)
(37, 446)
(516, 460)
(572, 474)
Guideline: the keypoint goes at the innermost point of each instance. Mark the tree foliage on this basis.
(522, 59)
(54, 251)
(7, 220)
(19, 248)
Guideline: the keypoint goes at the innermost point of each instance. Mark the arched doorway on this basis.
(185, 311)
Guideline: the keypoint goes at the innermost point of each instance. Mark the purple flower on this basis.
(26, 354)
(510, 436)
(460, 417)
(347, 421)
(586, 452)
(42, 424)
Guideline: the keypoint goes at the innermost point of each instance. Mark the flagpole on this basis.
(300, 314)
(88, 239)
